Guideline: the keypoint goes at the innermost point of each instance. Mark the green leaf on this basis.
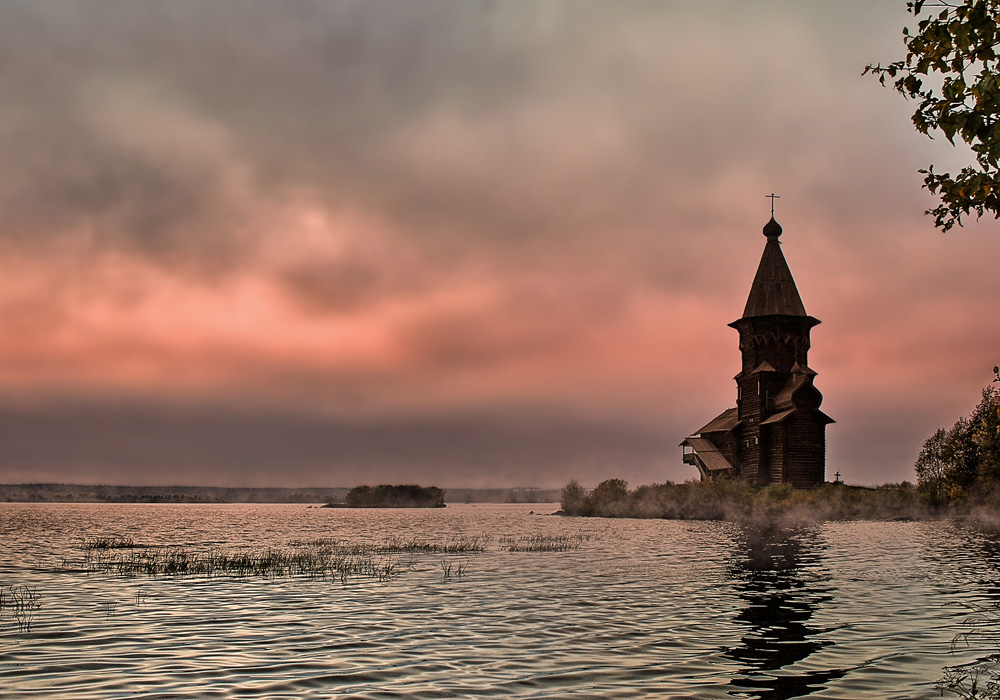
(959, 36)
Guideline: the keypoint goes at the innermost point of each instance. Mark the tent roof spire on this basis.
(773, 292)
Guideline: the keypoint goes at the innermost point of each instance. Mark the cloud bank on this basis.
(467, 243)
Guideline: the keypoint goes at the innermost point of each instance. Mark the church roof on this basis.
(724, 422)
(778, 417)
(782, 415)
(773, 292)
(709, 454)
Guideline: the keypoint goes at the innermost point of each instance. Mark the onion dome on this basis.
(772, 228)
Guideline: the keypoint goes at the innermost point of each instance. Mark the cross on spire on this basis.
(773, 197)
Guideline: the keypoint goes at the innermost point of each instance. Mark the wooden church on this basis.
(776, 434)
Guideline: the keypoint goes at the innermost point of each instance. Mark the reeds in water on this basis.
(541, 543)
(979, 680)
(311, 562)
(112, 542)
(22, 602)
(397, 545)
(458, 569)
(325, 558)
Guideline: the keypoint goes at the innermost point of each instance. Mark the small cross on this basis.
(836, 477)
(773, 197)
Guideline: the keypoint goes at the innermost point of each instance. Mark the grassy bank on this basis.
(736, 500)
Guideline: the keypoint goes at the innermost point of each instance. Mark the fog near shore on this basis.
(776, 506)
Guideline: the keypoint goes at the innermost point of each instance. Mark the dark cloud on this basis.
(472, 126)
(552, 201)
(115, 105)
(142, 445)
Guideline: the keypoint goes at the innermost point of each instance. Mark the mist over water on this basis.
(642, 608)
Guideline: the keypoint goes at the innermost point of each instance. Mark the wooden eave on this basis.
(723, 423)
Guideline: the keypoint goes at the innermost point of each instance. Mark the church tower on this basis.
(776, 434)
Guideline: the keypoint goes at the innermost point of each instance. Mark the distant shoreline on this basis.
(378, 507)
(107, 493)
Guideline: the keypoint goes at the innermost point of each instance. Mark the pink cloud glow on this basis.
(474, 245)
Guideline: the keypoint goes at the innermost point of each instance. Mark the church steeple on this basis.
(773, 292)
(783, 430)
(776, 434)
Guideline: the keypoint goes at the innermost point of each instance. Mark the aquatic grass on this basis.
(458, 567)
(321, 558)
(23, 602)
(541, 543)
(461, 545)
(112, 542)
(979, 680)
(264, 563)
(467, 545)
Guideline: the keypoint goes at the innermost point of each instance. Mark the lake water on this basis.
(635, 609)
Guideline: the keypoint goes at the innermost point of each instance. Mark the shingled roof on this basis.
(773, 292)
(709, 454)
(722, 423)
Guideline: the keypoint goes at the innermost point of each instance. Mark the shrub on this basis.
(400, 496)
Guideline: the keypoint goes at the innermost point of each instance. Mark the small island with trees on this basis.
(392, 496)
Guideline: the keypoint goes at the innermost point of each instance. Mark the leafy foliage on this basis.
(951, 68)
(932, 465)
(574, 497)
(965, 460)
(401, 496)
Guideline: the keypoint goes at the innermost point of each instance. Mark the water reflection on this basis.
(779, 574)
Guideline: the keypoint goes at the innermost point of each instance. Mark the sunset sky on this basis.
(459, 242)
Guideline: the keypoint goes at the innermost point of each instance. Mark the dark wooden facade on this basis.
(776, 434)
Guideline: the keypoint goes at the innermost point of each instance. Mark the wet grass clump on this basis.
(321, 558)
(979, 680)
(449, 569)
(541, 543)
(112, 542)
(312, 562)
(459, 545)
(22, 602)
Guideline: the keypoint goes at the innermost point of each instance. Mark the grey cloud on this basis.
(219, 446)
(338, 285)
(335, 99)
(573, 154)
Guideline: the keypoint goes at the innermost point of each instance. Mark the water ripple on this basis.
(643, 609)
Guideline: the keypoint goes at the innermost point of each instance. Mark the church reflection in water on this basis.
(779, 575)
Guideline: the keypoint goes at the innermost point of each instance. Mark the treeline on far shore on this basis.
(108, 493)
(736, 500)
(83, 493)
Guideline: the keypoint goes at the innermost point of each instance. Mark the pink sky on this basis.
(470, 244)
